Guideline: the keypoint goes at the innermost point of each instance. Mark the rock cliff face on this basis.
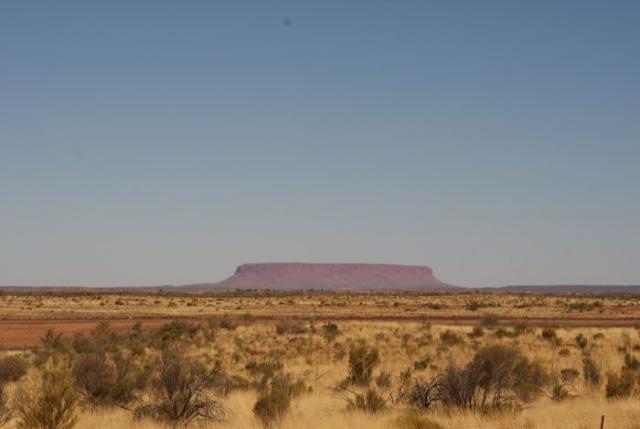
(287, 276)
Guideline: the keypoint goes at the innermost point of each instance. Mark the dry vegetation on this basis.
(244, 364)
(462, 306)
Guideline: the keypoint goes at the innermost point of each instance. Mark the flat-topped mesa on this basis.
(301, 267)
(290, 276)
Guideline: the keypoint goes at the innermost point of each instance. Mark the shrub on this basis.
(383, 380)
(275, 400)
(558, 392)
(591, 371)
(569, 374)
(501, 333)
(181, 392)
(284, 328)
(581, 341)
(494, 378)
(403, 388)
(330, 331)
(476, 332)
(414, 420)
(174, 331)
(227, 324)
(490, 320)
(425, 394)
(264, 371)
(422, 363)
(82, 343)
(521, 328)
(223, 383)
(48, 401)
(550, 335)
(362, 360)
(619, 386)
(104, 338)
(103, 381)
(631, 362)
(5, 411)
(450, 338)
(52, 346)
(12, 368)
(370, 402)
(473, 305)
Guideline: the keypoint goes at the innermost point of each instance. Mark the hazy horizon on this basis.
(166, 143)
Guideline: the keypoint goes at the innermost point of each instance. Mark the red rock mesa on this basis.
(290, 276)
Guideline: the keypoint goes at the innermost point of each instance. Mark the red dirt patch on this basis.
(26, 333)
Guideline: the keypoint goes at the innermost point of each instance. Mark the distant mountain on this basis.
(334, 277)
(571, 288)
(294, 276)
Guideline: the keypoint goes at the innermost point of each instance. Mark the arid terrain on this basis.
(25, 317)
(322, 360)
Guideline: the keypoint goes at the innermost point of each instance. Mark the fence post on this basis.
(602, 422)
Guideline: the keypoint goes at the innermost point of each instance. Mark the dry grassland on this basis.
(240, 336)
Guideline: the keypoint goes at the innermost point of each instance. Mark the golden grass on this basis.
(390, 305)
(321, 411)
(402, 343)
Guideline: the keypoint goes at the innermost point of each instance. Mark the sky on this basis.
(164, 142)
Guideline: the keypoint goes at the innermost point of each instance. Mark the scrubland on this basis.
(230, 368)
(395, 305)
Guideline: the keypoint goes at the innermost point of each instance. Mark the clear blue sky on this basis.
(166, 142)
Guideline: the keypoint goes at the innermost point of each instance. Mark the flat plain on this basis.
(329, 360)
